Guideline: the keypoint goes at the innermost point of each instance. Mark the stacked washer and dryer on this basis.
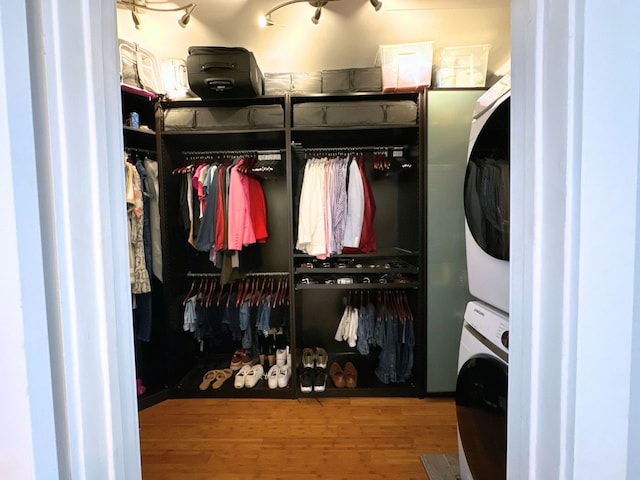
(481, 388)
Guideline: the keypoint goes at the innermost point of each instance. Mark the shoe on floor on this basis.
(350, 375)
(236, 359)
(241, 376)
(221, 377)
(337, 375)
(319, 379)
(272, 376)
(306, 380)
(322, 357)
(283, 376)
(281, 357)
(253, 376)
(308, 358)
(207, 378)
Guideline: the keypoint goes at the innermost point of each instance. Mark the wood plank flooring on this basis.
(314, 438)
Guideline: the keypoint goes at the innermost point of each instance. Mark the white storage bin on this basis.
(462, 67)
(406, 66)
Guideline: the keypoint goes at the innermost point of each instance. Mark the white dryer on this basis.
(486, 197)
(481, 393)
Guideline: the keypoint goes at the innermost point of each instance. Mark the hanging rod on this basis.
(232, 152)
(139, 150)
(348, 149)
(252, 274)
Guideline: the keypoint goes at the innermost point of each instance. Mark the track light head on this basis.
(377, 4)
(135, 18)
(184, 20)
(265, 21)
(316, 15)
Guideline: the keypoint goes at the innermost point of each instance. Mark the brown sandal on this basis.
(221, 377)
(207, 378)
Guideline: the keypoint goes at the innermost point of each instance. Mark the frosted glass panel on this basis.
(449, 121)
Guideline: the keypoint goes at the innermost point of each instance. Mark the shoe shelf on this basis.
(189, 387)
(368, 384)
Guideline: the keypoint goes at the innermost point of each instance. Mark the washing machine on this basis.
(481, 393)
(486, 197)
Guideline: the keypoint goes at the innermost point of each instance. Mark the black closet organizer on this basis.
(150, 347)
(215, 132)
(392, 150)
(383, 130)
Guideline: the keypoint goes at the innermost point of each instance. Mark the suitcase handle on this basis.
(207, 66)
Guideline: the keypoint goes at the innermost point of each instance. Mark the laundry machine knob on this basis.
(505, 339)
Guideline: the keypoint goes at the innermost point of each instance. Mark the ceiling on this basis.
(348, 34)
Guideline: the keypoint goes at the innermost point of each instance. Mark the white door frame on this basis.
(574, 165)
(71, 397)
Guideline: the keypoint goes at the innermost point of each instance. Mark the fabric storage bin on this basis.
(354, 113)
(405, 67)
(366, 79)
(281, 83)
(266, 116)
(352, 80)
(179, 119)
(226, 118)
(336, 81)
(277, 83)
(401, 112)
(306, 82)
(308, 114)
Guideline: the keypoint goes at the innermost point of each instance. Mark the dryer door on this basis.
(486, 184)
(481, 408)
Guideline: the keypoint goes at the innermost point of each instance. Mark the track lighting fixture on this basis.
(184, 20)
(136, 5)
(316, 15)
(135, 18)
(265, 20)
(377, 4)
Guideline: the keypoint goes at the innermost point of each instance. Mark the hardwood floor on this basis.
(314, 438)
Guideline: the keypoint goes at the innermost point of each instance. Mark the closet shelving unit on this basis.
(315, 308)
(151, 365)
(399, 228)
(189, 358)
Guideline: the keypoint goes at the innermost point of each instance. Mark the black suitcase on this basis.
(224, 72)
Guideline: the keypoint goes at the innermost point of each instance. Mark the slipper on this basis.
(207, 378)
(221, 377)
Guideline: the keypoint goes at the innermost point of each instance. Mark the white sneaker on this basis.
(283, 376)
(281, 357)
(241, 376)
(253, 376)
(272, 376)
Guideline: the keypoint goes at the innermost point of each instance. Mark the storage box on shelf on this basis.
(405, 67)
(462, 67)
(292, 82)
